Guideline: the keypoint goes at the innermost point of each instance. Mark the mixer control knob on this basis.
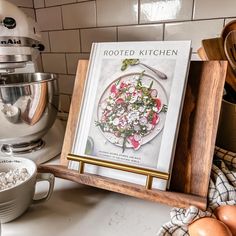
(40, 47)
(9, 22)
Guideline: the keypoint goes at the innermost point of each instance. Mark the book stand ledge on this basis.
(194, 150)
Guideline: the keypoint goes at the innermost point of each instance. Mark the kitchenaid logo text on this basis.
(10, 41)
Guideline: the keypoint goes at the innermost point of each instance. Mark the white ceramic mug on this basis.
(15, 201)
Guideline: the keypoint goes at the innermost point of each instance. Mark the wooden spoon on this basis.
(213, 49)
(228, 28)
(231, 26)
(230, 49)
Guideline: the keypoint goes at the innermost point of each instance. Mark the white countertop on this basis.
(81, 210)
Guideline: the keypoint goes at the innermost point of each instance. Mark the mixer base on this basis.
(51, 146)
(23, 148)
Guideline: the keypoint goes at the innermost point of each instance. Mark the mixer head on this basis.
(19, 40)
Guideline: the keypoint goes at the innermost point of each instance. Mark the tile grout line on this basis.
(65, 4)
(139, 7)
(96, 14)
(144, 24)
(67, 71)
(193, 10)
(117, 34)
(25, 7)
(80, 41)
(34, 10)
(49, 40)
(62, 22)
(163, 33)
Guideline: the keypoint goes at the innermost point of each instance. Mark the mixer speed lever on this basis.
(9, 22)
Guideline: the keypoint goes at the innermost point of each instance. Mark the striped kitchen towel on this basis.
(222, 191)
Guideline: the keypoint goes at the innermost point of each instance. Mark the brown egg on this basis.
(208, 226)
(227, 214)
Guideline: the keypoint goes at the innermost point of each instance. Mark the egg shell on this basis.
(208, 226)
(227, 214)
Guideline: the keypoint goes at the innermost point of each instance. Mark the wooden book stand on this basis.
(195, 144)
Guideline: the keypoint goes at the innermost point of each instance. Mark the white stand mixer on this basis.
(28, 100)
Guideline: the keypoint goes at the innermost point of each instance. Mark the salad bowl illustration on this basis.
(131, 110)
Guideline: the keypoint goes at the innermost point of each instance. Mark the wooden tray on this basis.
(195, 144)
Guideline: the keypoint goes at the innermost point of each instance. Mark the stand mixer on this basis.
(28, 99)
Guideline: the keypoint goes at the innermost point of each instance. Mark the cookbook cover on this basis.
(132, 106)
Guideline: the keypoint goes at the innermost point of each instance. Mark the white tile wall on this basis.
(140, 33)
(54, 63)
(72, 61)
(80, 15)
(49, 3)
(88, 36)
(39, 65)
(229, 20)
(70, 26)
(195, 57)
(64, 104)
(158, 10)
(58, 39)
(45, 41)
(39, 3)
(193, 30)
(49, 18)
(214, 9)
(120, 12)
(66, 83)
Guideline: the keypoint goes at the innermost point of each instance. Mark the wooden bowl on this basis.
(228, 27)
(230, 49)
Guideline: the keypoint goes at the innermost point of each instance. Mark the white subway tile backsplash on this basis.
(50, 3)
(71, 26)
(88, 36)
(54, 63)
(65, 41)
(193, 30)
(80, 15)
(22, 3)
(122, 12)
(66, 83)
(72, 61)
(39, 65)
(195, 57)
(214, 9)
(64, 105)
(39, 3)
(49, 18)
(140, 33)
(159, 10)
(229, 20)
(45, 41)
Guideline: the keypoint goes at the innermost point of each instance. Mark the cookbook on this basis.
(131, 107)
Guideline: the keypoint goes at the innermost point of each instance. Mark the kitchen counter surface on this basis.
(81, 210)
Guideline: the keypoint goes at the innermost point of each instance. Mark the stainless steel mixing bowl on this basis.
(28, 106)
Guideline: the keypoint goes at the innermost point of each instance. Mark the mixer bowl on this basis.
(28, 106)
